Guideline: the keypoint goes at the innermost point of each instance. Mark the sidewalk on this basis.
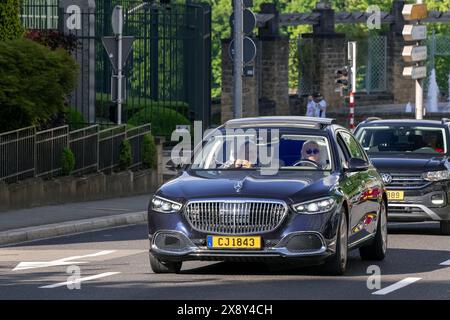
(50, 221)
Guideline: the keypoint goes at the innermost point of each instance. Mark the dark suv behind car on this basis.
(412, 157)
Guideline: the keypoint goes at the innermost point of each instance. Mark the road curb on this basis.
(70, 227)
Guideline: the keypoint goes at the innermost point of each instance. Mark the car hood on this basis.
(292, 186)
(408, 162)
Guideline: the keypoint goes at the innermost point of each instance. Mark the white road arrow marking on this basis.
(59, 262)
(60, 284)
(445, 263)
(398, 285)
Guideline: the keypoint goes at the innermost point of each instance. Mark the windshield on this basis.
(262, 148)
(403, 139)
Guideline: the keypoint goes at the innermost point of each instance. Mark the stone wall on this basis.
(96, 186)
(329, 55)
(39, 192)
(266, 93)
(250, 92)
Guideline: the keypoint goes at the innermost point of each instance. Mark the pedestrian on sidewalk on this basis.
(320, 105)
(310, 107)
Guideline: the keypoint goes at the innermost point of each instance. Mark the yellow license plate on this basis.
(225, 242)
(396, 195)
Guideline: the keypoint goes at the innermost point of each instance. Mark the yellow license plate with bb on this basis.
(396, 195)
(225, 242)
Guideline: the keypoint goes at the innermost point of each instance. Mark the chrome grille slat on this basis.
(235, 216)
(407, 181)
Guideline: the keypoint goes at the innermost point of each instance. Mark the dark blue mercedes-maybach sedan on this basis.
(276, 189)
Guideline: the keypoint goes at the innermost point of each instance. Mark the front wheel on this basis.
(445, 228)
(159, 266)
(377, 249)
(338, 263)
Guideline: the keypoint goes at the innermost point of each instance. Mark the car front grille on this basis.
(407, 181)
(235, 216)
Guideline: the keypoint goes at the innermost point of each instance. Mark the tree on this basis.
(10, 25)
(34, 83)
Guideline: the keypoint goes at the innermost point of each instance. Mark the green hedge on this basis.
(67, 162)
(125, 156)
(75, 119)
(149, 158)
(10, 25)
(34, 82)
(163, 120)
(135, 104)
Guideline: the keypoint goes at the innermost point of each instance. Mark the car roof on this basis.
(285, 121)
(402, 121)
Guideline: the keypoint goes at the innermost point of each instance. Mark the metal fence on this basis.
(168, 73)
(27, 153)
(371, 70)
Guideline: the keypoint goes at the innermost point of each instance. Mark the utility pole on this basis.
(419, 91)
(119, 35)
(416, 53)
(238, 57)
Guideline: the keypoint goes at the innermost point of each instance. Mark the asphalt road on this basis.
(113, 264)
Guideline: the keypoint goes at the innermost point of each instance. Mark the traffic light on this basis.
(342, 79)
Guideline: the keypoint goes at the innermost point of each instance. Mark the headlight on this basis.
(315, 206)
(164, 205)
(437, 175)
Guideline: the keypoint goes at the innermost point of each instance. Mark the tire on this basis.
(159, 266)
(445, 228)
(377, 249)
(337, 264)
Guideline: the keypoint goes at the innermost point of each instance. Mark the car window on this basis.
(353, 147)
(403, 138)
(288, 151)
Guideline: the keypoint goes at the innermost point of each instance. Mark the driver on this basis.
(311, 152)
(247, 151)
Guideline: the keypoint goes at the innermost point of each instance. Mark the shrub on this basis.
(53, 39)
(132, 105)
(34, 83)
(163, 120)
(67, 162)
(149, 157)
(10, 25)
(125, 157)
(74, 119)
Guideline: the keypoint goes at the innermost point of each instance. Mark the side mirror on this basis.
(355, 165)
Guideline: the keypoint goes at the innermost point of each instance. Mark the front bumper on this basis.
(418, 204)
(181, 248)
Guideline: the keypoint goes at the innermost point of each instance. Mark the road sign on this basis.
(249, 21)
(246, 3)
(415, 72)
(249, 50)
(414, 32)
(249, 71)
(414, 53)
(117, 20)
(416, 11)
(110, 44)
(114, 88)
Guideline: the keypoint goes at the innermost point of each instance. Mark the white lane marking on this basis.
(60, 284)
(396, 286)
(445, 263)
(59, 262)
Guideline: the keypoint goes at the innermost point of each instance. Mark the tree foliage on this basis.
(221, 10)
(34, 83)
(10, 25)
